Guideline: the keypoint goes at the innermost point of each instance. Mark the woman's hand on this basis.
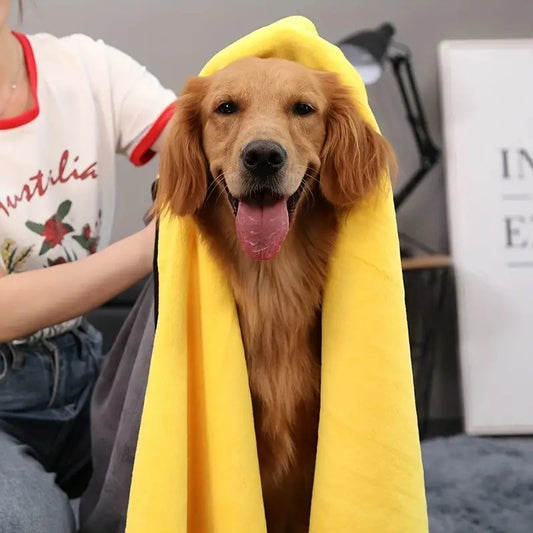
(49, 296)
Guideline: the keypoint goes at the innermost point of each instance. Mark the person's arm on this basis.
(140, 107)
(39, 298)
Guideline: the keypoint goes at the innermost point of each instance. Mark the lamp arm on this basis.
(428, 151)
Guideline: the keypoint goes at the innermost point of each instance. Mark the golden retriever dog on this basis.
(264, 154)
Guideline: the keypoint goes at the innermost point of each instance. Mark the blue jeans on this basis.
(45, 392)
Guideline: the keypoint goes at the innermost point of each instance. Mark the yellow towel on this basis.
(196, 468)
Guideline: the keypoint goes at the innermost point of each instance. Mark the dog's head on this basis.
(263, 133)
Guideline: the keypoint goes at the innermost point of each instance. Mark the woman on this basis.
(66, 107)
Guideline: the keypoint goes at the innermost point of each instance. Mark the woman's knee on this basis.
(30, 501)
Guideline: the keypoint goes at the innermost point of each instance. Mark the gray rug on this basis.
(479, 485)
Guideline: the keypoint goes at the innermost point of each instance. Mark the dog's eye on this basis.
(227, 108)
(302, 108)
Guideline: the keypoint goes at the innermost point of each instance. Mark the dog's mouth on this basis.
(262, 221)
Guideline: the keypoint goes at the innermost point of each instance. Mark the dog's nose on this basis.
(263, 158)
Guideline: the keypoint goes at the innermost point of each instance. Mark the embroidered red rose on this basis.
(58, 261)
(87, 239)
(54, 231)
(91, 242)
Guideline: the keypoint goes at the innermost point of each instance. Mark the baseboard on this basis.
(445, 427)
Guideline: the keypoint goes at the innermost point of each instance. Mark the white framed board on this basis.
(487, 104)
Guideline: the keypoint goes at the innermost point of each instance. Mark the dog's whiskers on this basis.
(220, 194)
(213, 186)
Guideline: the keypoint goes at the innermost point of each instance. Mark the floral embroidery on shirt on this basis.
(12, 258)
(54, 229)
(86, 240)
(58, 261)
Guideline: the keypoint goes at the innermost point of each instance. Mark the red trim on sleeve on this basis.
(143, 152)
(27, 116)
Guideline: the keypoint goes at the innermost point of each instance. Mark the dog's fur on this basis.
(279, 301)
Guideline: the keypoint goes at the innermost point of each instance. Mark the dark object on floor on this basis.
(479, 485)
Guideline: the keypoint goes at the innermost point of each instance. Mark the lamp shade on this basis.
(366, 49)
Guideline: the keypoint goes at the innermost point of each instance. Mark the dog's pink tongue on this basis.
(262, 229)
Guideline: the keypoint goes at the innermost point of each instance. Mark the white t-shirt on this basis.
(57, 160)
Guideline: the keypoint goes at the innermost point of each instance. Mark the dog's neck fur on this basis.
(283, 365)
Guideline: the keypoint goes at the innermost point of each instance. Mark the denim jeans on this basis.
(45, 391)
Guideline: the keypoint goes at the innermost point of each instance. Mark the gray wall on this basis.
(174, 38)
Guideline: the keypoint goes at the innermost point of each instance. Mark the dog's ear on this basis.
(354, 157)
(183, 169)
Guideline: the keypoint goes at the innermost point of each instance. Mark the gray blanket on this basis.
(115, 419)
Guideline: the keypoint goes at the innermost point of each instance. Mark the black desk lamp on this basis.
(367, 50)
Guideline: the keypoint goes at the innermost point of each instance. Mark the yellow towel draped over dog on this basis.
(196, 468)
